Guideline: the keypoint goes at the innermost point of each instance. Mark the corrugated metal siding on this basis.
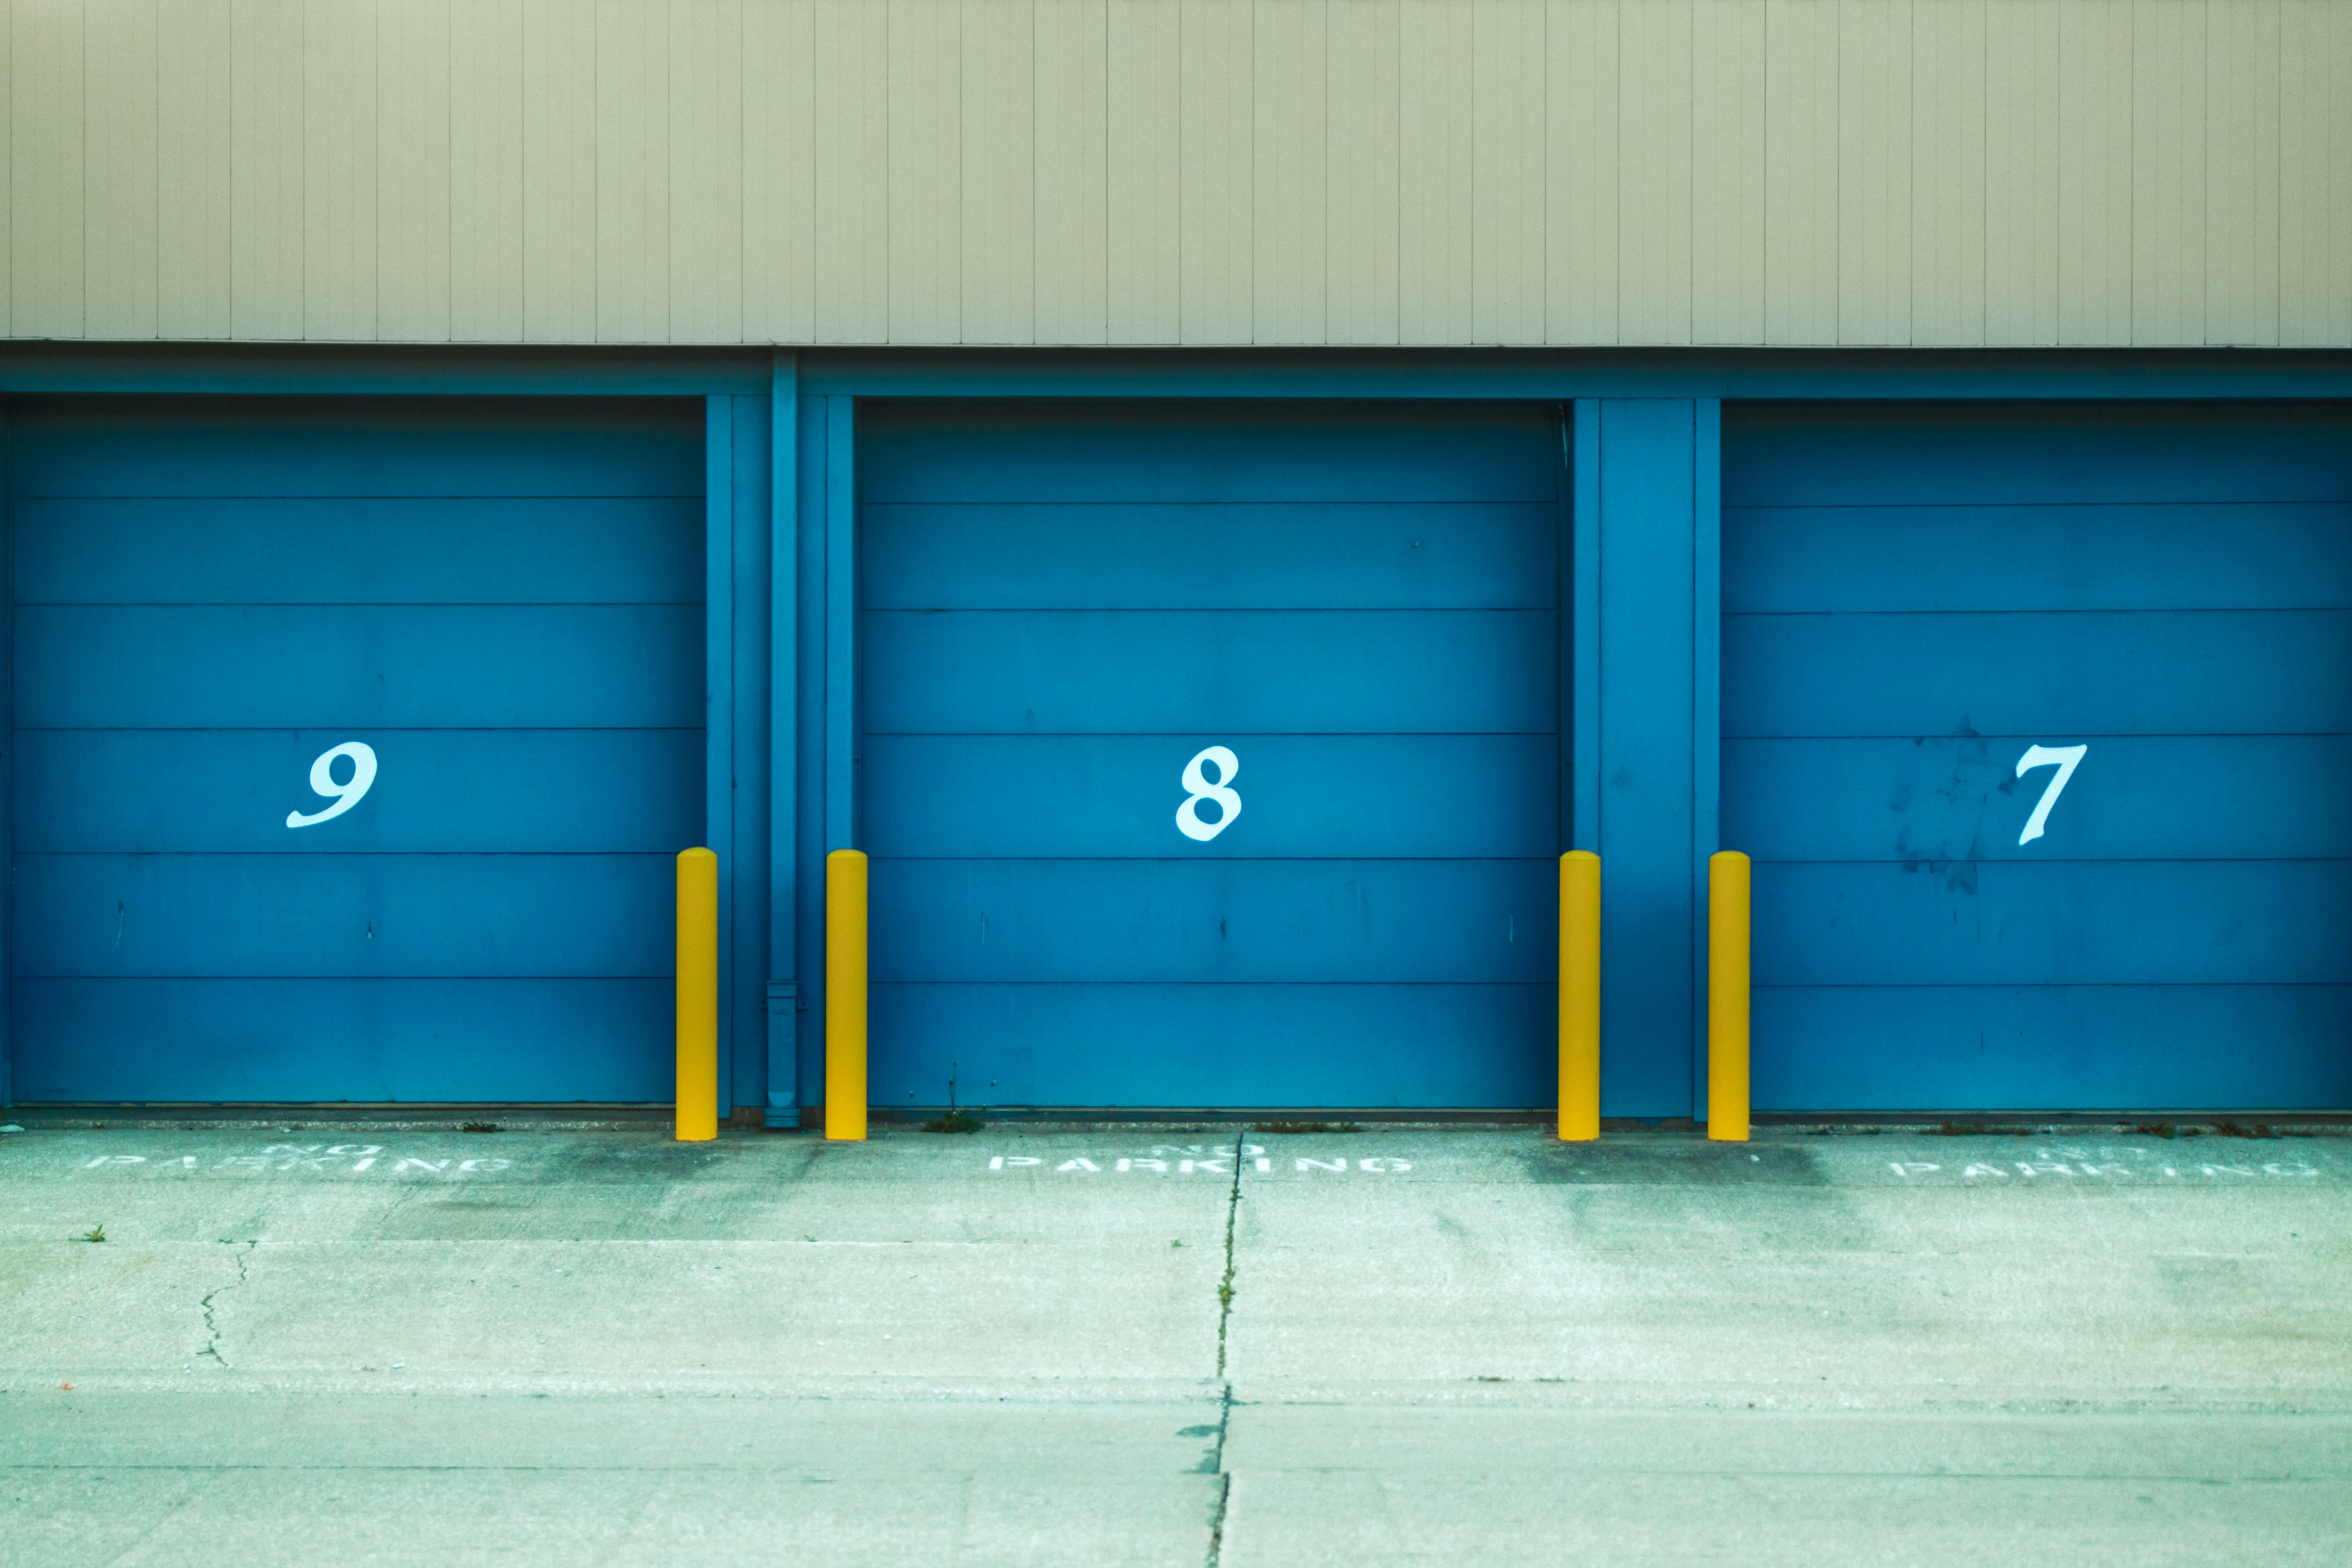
(1217, 171)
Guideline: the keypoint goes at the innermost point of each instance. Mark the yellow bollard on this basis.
(1727, 996)
(844, 995)
(1579, 996)
(697, 995)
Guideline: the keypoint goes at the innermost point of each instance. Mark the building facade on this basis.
(1213, 497)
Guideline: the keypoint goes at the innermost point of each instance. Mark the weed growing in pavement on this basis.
(95, 1232)
(955, 1120)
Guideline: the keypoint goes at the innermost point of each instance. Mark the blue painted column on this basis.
(842, 739)
(7, 771)
(1645, 626)
(782, 1000)
(825, 682)
(736, 493)
(719, 699)
(747, 932)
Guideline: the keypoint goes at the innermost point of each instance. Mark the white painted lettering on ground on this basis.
(2121, 1164)
(281, 1158)
(1196, 1160)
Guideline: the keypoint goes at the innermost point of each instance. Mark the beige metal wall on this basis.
(1216, 172)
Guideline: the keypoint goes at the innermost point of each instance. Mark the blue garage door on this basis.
(2038, 721)
(1086, 629)
(477, 625)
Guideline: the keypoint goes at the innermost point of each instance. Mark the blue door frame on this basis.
(1642, 732)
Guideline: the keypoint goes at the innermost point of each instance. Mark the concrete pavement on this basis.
(1171, 1346)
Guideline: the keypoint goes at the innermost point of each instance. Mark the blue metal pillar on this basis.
(747, 933)
(718, 696)
(826, 808)
(735, 760)
(1645, 625)
(783, 996)
(7, 776)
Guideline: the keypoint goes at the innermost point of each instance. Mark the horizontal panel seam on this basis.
(1917, 738)
(2150, 610)
(1911, 987)
(1751, 509)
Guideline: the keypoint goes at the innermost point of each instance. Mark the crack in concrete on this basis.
(1226, 1394)
(212, 1329)
(1224, 1479)
(1225, 1286)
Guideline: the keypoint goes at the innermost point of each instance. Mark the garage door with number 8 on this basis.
(1211, 752)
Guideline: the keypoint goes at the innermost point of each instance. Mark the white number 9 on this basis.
(345, 795)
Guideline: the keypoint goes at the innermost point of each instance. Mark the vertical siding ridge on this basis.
(961, 329)
(595, 178)
(2278, 185)
(157, 129)
(1107, 272)
(525, 202)
(8, 197)
(82, 129)
(375, 171)
(449, 183)
(1035, 92)
(741, 260)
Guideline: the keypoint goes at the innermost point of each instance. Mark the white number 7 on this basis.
(2067, 758)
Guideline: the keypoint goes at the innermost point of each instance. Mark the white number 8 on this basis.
(323, 782)
(1198, 788)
